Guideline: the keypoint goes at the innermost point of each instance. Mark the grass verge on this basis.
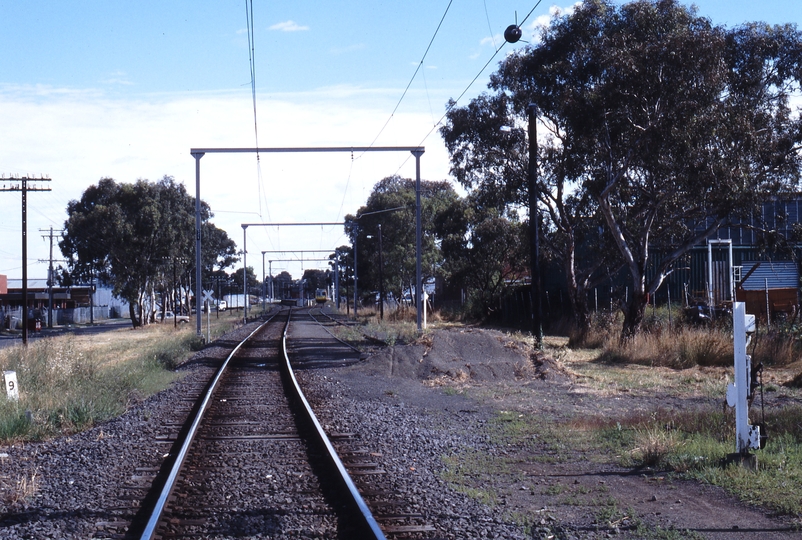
(68, 383)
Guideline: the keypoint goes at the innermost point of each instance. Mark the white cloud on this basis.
(117, 78)
(288, 26)
(492, 41)
(78, 137)
(537, 26)
(347, 49)
(534, 28)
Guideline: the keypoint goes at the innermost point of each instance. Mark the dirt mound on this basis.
(469, 355)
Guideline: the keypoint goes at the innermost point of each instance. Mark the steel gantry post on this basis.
(245, 273)
(418, 250)
(381, 276)
(198, 273)
(264, 285)
(356, 235)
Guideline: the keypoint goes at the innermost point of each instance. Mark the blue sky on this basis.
(124, 89)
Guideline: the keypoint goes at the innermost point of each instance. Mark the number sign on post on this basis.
(12, 391)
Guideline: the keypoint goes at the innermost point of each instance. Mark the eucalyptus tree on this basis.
(342, 265)
(488, 148)
(484, 253)
(131, 235)
(392, 204)
(313, 279)
(671, 126)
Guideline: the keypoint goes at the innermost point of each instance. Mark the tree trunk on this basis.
(576, 294)
(132, 313)
(579, 304)
(633, 315)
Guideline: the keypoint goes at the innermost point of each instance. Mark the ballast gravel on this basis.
(89, 485)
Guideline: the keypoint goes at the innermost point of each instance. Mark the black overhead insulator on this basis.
(513, 33)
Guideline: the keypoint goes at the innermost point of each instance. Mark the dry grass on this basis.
(776, 348)
(679, 346)
(654, 446)
(27, 486)
(69, 383)
(600, 376)
(21, 491)
(680, 349)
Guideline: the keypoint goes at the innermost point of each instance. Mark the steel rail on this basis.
(161, 502)
(329, 331)
(332, 319)
(369, 528)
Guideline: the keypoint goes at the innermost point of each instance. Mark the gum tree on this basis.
(130, 235)
(673, 126)
(488, 149)
(392, 203)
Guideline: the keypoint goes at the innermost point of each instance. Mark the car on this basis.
(169, 316)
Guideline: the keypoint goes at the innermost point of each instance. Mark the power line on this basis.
(261, 192)
(454, 102)
(413, 76)
(251, 62)
(489, 26)
(347, 181)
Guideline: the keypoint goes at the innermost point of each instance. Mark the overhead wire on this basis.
(454, 102)
(262, 193)
(347, 182)
(489, 26)
(409, 84)
(252, 64)
(395, 109)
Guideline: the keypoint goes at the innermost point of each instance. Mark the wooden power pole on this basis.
(20, 183)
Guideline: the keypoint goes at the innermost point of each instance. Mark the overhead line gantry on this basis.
(198, 153)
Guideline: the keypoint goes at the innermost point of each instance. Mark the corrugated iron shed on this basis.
(780, 275)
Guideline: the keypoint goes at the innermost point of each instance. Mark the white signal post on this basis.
(207, 302)
(743, 325)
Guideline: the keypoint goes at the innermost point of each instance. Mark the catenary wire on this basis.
(261, 192)
(489, 26)
(454, 103)
(392, 114)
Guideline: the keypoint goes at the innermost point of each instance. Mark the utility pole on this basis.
(21, 184)
(270, 271)
(356, 234)
(381, 276)
(264, 285)
(175, 311)
(534, 230)
(92, 299)
(336, 265)
(50, 277)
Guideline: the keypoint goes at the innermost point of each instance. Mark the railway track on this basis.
(254, 479)
(252, 459)
(398, 517)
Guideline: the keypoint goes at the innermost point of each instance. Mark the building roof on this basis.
(774, 274)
